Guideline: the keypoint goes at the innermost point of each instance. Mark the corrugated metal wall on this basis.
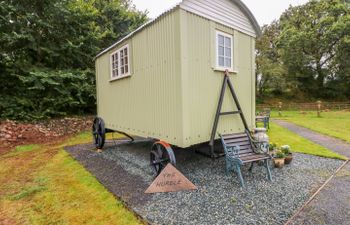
(149, 102)
(221, 11)
(173, 91)
(201, 84)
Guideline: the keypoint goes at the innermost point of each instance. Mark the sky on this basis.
(265, 11)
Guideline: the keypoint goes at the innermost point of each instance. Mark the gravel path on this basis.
(124, 170)
(333, 144)
(331, 205)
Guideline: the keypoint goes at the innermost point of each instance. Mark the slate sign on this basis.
(170, 180)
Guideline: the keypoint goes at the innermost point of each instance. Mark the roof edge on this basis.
(250, 16)
(137, 30)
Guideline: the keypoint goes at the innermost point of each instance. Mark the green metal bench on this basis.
(240, 149)
(264, 116)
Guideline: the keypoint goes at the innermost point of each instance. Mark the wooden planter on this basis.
(279, 162)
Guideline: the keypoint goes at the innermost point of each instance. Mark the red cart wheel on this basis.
(161, 154)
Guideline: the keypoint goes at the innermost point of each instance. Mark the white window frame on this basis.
(217, 66)
(118, 53)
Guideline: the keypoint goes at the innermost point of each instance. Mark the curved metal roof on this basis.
(250, 16)
(239, 3)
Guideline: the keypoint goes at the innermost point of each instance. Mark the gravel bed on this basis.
(125, 171)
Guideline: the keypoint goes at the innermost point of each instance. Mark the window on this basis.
(224, 46)
(120, 63)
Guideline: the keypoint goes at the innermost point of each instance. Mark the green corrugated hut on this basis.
(164, 79)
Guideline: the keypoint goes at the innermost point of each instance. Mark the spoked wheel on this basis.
(161, 154)
(98, 132)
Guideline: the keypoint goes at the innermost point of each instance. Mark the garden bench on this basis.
(264, 116)
(240, 149)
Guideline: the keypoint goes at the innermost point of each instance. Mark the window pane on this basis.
(227, 62)
(228, 52)
(227, 42)
(221, 61)
(120, 62)
(221, 51)
(221, 40)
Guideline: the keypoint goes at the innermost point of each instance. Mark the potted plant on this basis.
(289, 156)
(279, 159)
(272, 147)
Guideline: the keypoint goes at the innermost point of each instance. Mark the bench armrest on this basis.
(232, 151)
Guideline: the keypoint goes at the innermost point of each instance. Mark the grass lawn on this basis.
(42, 184)
(282, 136)
(334, 123)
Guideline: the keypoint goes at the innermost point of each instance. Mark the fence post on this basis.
(319, 104)
(279, 109)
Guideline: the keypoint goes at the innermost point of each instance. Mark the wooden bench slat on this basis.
(252, 158)
(246, 151)
(260, 119)
(241, 147)
(233, 138)
(238, 142)
(228, 136)
(246, 154)
(243, 157)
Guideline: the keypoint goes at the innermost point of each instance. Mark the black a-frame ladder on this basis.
(225, 82)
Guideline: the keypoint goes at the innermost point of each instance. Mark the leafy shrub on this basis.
(280, 154)
(285, 149)
(47, 93)
(272, 145)
(47, 50)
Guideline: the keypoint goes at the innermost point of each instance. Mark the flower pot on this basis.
(279, 162)
(288, 159)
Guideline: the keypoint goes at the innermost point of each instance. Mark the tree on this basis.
(313, 42)
(270, 70)
(47, 49)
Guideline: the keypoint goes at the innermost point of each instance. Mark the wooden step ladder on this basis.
(226, 82)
